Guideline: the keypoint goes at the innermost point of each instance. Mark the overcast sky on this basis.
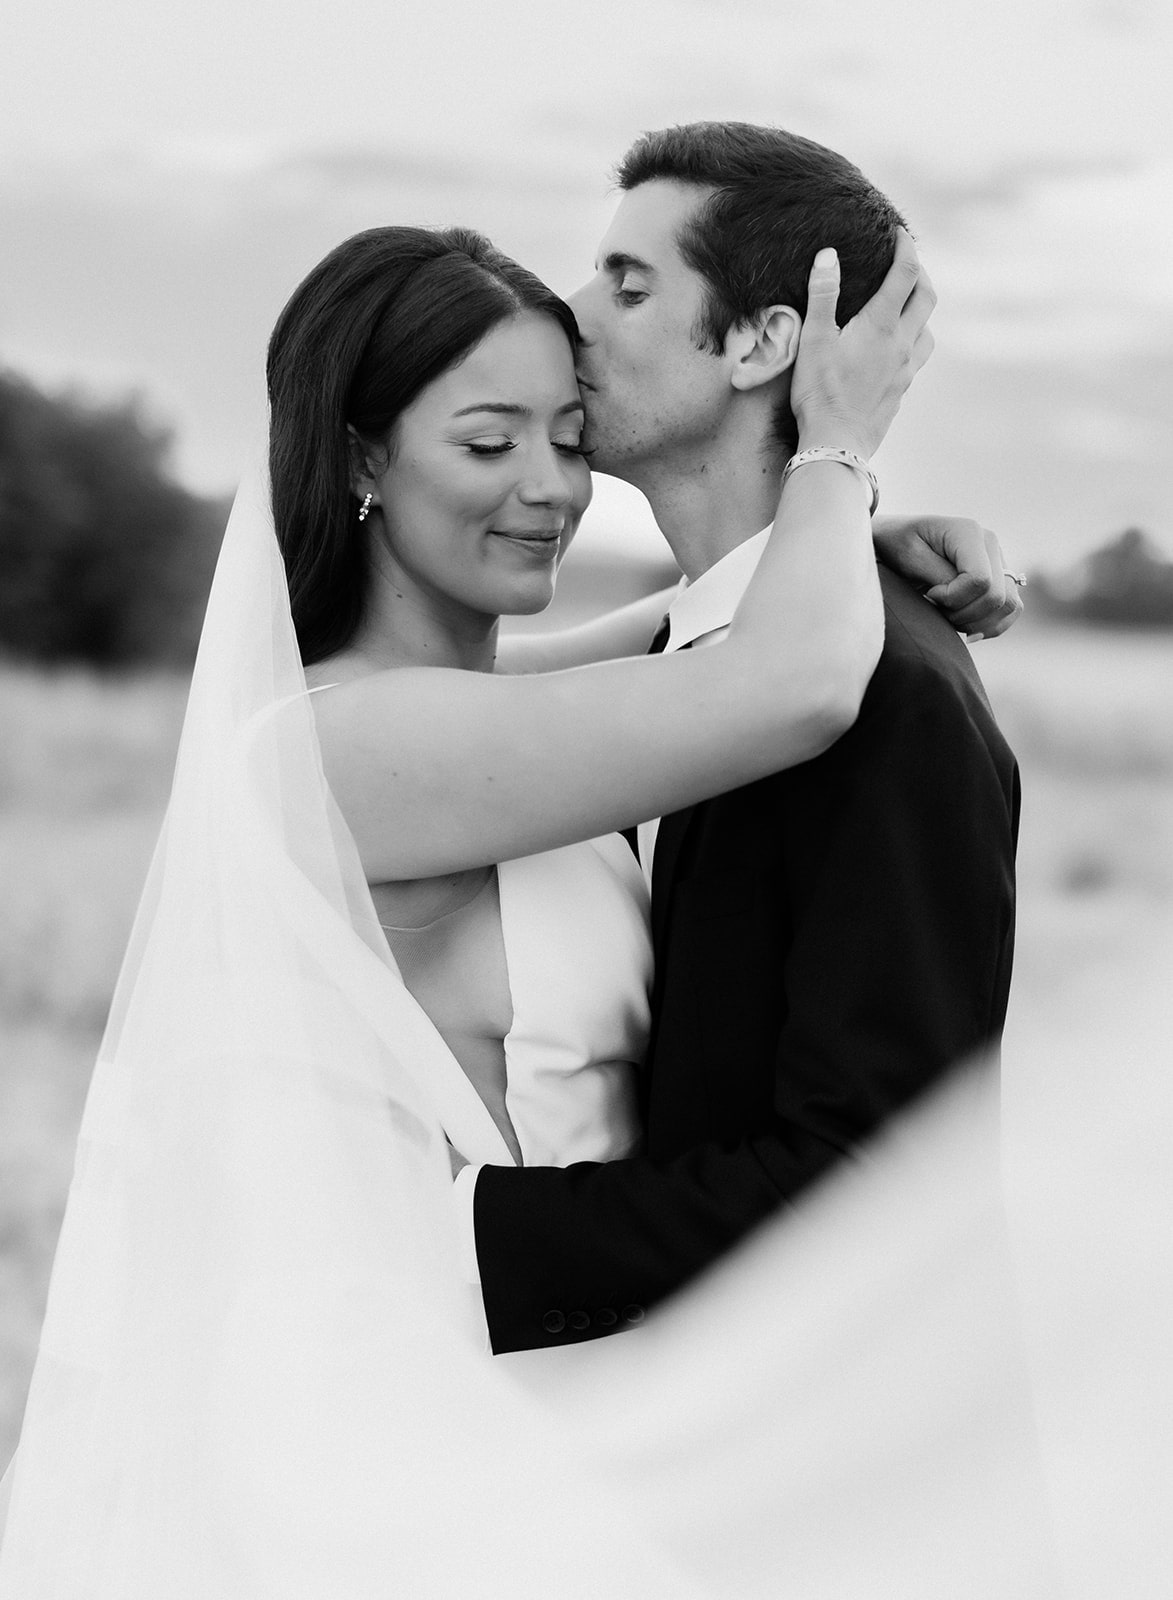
(166, 176)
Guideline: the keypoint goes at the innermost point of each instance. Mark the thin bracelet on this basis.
(846, 458)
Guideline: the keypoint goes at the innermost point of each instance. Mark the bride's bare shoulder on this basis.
(348, 666)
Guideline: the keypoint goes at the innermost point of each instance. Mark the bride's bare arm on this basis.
(626, 631)
(957, 560)
(437, 770)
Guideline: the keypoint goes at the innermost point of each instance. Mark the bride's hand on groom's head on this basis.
(848, 381)
(958, 565)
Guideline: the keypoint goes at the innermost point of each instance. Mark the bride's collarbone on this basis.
(413, 905)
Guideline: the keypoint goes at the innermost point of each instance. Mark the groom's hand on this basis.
(957, 564)
(848, 382)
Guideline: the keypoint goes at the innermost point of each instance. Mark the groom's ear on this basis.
(763, 348)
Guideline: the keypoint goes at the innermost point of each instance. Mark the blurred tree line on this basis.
(104, 558)
(1126, 583)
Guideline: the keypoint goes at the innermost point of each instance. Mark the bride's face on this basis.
(484, 484)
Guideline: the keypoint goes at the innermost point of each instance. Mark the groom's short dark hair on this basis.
(776, 200)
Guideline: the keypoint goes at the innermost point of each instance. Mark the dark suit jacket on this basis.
(828, 942)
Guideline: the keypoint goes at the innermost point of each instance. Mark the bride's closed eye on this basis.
(497, 448)
(500, 448)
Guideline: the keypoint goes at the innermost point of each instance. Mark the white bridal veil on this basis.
(259, 1375)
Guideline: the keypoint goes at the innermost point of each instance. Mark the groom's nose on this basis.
(581, 302)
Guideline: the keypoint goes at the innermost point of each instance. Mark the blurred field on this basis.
(84, 777)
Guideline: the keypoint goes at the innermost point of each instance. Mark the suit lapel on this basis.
(669, 838)
(669, 842)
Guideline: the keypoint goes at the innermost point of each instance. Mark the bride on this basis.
(388, 928)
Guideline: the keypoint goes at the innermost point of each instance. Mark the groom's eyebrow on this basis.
(620, 261)
(501, 408)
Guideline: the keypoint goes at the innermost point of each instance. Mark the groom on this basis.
(828, 941)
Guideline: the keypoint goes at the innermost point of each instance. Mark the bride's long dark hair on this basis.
(372, 325)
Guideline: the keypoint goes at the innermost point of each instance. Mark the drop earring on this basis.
(365, 508)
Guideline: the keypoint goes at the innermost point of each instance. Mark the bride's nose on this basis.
(548, 481)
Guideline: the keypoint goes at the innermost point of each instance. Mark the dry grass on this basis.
(85, 776)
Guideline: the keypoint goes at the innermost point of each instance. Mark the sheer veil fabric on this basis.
(259, 1376)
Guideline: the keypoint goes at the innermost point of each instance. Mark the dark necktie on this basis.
(659, 640)
(660, 637)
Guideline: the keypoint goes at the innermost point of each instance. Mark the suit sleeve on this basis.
(897, 851)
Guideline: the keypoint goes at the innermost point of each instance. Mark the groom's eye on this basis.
(628, 296)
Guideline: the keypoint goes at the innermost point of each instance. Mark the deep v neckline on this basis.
(464, 1114)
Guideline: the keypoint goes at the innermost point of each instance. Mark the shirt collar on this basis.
(708, 603)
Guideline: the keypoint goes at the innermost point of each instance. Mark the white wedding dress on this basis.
(257, 1375)
(577, 947)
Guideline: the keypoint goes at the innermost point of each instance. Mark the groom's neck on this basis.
(711, 508)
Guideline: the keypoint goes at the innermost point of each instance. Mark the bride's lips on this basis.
(540, 541)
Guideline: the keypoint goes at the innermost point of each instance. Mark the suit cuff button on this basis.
(605, 1317)
(633, 1315)
(578, 1320)
(553, 1322)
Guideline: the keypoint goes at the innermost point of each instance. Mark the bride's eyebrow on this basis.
(502, 409)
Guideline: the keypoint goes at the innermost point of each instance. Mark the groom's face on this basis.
(652, 395)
